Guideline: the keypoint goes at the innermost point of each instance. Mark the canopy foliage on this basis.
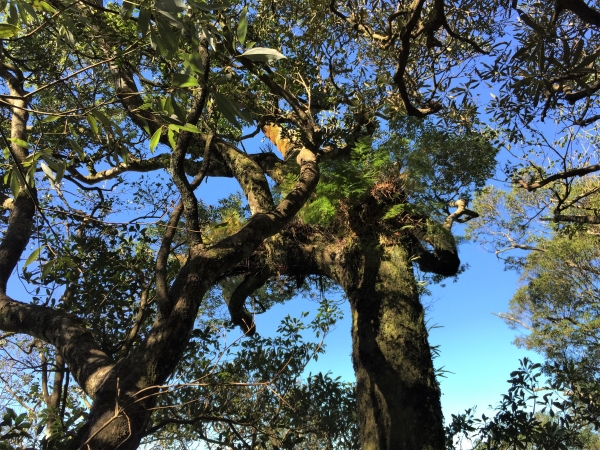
(112, 117)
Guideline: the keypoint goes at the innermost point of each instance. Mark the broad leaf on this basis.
(242, 28)
(155, 139)
(7, 30)
(34, 255)
(184, 80)
(262, 54)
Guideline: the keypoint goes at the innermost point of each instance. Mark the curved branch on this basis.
(250, 176)
(20, 221)
(169, 334)
(239, 315)
(558, 176)
(572, 97)
(441, 261)
(580, 9)
(459, 214)
(68, 334)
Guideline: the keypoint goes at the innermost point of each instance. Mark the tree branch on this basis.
(20, 221)
(589, 220)
(66, 333)
(580, 9)
(250, 176)
(558, 176)
(457, 216)
(239, 315)
(572, 97)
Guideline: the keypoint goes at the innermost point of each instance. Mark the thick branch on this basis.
(572, 97)
(239, 315)
(581, 10)
(441, 261)
(169, 334)
(250, 176)
(461, 215)
(406, 39)
(133, 165)
(66, 333)
(20, 221)
(188, 199)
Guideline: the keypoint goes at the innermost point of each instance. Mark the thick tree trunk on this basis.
(397, 394)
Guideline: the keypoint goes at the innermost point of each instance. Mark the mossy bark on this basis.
(397, 393)
(398, 396)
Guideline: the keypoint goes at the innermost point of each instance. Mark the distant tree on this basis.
(557, 304)
(534, 414)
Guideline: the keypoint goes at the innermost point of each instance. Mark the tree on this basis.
(556, 304)
(532, 415)
(168, 87)
(546, 78)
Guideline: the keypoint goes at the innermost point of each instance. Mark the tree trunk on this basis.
(398, 397)
(397, 394)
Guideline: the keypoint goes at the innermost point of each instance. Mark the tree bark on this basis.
(398, 397)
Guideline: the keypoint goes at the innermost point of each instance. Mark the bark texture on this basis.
(398, 396)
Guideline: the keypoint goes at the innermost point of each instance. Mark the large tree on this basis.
(98, 96)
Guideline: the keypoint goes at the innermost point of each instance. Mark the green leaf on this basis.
(27, 12)
(143, 21)
(171, 136)
(13, 15)
(195, 61)
(170, 5)
(155, 139)
(93, 123)
(47, 171)
(168, 38)
(50, 119)
(51, 162)
(184, 80)
(19, 142)
(394, 211)
(30, 175)
(189, 127)
(102, 118)
(262, 54)
(15, 186)
(41, 6)
(178, 110)
(47, 268)
(60, 172)
(7, 30)
(34, 255)
(228, 109)
(77, 149)
(242, 28)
